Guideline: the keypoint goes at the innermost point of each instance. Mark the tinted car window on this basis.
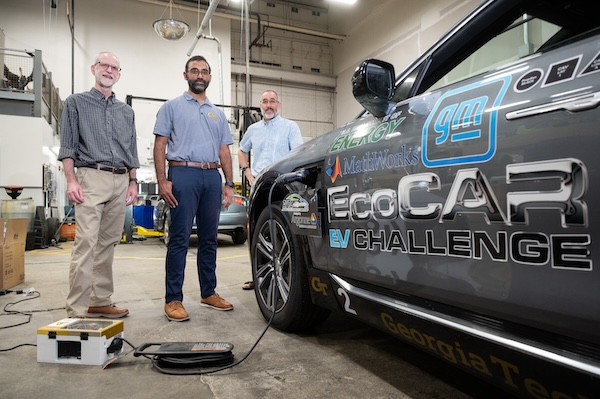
(523, 38)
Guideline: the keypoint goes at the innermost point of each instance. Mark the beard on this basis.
(197, 86)
(270, 114)
(105, 82)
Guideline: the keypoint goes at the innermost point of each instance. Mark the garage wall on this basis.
(311, 108)
(152, 66)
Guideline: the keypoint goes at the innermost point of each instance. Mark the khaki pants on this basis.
(99, 228)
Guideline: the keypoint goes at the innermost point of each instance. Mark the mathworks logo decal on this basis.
(335, 170)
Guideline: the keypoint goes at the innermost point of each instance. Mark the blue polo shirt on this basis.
(270, 141)
(195, 131)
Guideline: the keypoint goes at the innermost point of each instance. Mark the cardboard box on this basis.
(13, 235)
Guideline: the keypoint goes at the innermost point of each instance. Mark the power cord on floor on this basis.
(172, 365)
(225, 360)
(30, 293)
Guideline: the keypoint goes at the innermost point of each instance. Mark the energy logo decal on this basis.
(465, 117)
(335, 170)
(368, 133)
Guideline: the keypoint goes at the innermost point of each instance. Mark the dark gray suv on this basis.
(457, 211)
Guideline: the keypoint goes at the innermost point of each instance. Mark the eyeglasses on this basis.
(271, 101)
(196, 72)
(106, 66)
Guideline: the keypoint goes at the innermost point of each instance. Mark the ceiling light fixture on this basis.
(343, 1)
(170, 29)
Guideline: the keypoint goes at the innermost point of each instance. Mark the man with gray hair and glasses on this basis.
(99, 156)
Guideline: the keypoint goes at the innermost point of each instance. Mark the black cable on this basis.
(155, 360)
(221, 359)
(9, 312)
(158, 363)
(15, 347)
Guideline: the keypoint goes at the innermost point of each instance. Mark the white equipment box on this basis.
(79, 341)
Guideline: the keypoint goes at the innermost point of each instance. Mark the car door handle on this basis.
(573, 104)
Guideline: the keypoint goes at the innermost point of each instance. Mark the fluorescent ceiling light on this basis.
(343, 1)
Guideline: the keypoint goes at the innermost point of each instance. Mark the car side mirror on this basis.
(373, 85)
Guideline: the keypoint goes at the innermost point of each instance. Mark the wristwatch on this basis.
(230, 184)
(133, 179)
(244, 168)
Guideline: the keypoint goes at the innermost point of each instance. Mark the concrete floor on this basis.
(341, 358)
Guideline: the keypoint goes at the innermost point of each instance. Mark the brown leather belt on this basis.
(118, 170)
(190, 164)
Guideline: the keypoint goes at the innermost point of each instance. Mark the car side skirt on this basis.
(525, 368)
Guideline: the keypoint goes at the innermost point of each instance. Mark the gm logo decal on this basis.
(465, 117)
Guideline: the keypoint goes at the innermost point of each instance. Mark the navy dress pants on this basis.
(199, 194)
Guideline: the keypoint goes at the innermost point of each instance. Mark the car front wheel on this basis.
(280, 275)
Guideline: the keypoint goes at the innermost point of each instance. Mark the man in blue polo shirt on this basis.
(269, 139)
(193, 136)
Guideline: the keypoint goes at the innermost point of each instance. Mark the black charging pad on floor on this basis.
(188, 354)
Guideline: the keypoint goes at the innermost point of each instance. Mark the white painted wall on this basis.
(152, 66)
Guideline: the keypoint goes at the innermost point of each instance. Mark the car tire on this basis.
(239, 236)
(294, 309)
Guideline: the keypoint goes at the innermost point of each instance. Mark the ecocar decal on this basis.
(467, 115)
(471, 194)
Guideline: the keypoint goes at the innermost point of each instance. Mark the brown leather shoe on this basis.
(175, 311)
(216, 302)
(108, 311)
